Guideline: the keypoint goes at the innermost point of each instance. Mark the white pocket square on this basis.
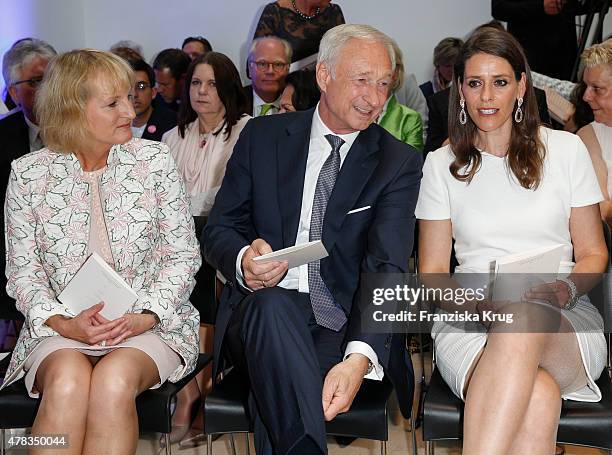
(360, 209)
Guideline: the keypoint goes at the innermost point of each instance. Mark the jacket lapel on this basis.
(292, 155)
(354, 174)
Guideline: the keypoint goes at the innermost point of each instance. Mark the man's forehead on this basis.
(269, 47)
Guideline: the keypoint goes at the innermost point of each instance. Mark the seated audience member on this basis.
(170, 67)
(267, 67)
(301, 92)
(401, 121)
(99, 185)
(152, 119)
(211, 117)
(302, 23)
(501, 162)
(444, 56)
(296, 334)
(598, 135)
(23, 67)
(128, 44)
(409, 94)
(194, 46)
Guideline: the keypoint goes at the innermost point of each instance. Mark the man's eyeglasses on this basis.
(32, 83)
(262, 65)
(141, 86)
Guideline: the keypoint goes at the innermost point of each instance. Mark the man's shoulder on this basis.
(12, 118)
(289, 121)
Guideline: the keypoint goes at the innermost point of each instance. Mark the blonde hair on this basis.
(598, 54)
(398, 80)
(67, 87)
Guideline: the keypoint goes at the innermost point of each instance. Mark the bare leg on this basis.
(63, 380)
(498, 405)
(116, 380)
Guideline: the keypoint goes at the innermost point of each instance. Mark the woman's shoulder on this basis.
(441, 157)
(42, 157)
(557, 142)
(138, 149)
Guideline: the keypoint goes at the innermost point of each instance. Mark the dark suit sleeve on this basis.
(437, 129)
(229, 226)
(512, 10)
(389, 245)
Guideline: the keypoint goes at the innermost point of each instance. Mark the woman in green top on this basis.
(399, 120)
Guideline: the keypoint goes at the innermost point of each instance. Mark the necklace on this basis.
(204, 139)
(302, 15)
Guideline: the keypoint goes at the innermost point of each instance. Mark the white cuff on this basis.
(239, 275)
(359, 347)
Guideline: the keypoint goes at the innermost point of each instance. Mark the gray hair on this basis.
(285, 43)
(334, 40)
(20, 53)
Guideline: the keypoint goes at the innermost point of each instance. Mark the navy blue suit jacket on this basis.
(261, 197)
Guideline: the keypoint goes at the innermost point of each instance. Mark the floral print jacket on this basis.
(151, 234)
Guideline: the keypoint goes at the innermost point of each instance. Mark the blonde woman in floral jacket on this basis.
(95, 189)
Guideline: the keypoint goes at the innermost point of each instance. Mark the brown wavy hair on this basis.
(526, 151)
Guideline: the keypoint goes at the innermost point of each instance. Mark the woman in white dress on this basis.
(598, 135)
(506, 185)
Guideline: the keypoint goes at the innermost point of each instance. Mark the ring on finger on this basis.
(263, 283)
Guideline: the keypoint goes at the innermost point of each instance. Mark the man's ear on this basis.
(323, 76)
(12, 90)
(153, 91)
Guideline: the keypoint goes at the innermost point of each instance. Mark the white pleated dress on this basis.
(494, 216)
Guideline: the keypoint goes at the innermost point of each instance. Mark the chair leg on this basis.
(2, 440)
(383, 447)
(233, 443)
(414, 440)
(429, 447)
(248, 447)
(209, 444)
(167, 441)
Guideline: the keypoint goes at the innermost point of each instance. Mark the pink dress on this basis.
(165, 358)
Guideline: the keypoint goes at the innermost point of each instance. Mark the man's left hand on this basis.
(342, 384)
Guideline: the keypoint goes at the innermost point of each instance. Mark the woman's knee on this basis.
(64, 376)
(112, 384)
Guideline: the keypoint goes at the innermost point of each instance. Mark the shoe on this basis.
(559, 450)
(180, 431)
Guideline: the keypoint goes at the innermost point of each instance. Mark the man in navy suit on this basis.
(332, 174)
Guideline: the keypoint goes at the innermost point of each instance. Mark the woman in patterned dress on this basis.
(95, 189)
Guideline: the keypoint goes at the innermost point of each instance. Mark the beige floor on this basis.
(400, 442)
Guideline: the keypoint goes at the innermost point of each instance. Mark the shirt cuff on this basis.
(239, 275)
(359, 347)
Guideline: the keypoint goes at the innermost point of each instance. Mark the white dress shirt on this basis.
(258, 102)
(296, 278)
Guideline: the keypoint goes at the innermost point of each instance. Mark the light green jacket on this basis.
(403, 123)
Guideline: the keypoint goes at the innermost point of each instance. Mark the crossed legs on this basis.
(513, 398)
(93, 400)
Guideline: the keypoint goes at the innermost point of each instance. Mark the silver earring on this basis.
(518, 114)
(462, 114)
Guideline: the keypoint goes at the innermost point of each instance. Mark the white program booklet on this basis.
(296, 255)
(96, 282)
(516, 273)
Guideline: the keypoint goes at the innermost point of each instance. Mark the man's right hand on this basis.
(259, 276)
(84, 328)
(553, 7)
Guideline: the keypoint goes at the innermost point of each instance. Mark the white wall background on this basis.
(417, 25)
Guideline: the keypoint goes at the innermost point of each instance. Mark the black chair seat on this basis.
(153, 406)
(226, 410)
(581, 423)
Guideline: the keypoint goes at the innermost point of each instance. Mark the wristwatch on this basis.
(573, 293)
